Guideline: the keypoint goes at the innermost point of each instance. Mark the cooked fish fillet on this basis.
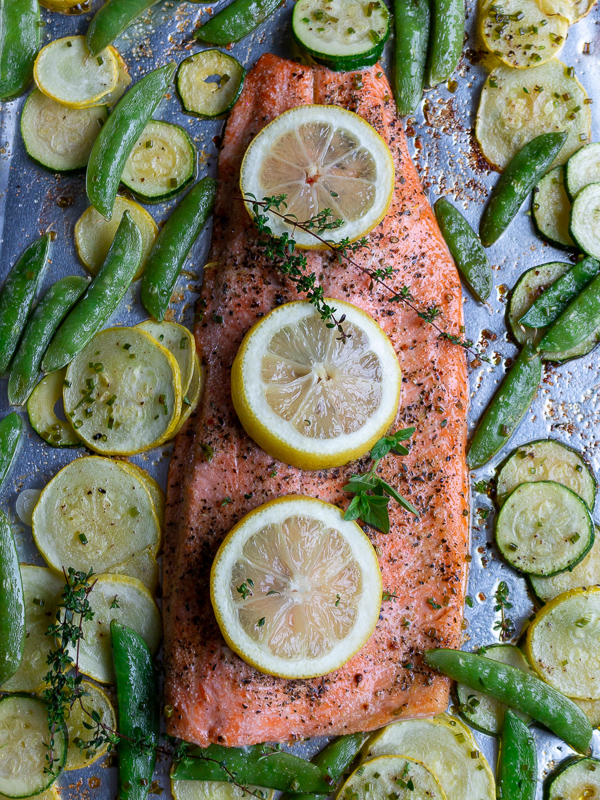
(214, 695)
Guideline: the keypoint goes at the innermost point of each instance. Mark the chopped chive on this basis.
(134, 512)
(83, 538)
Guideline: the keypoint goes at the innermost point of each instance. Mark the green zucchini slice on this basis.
(575, 780)
(518, 105)
(546, 460)
(584, 220)
(544, 528)
(551, 209)
(58, 138)
(161, 164)
(342, 34)
(42, 414)
(480, 710)
(209, 83)
(24, 745)
(582, 169)
(586, 573)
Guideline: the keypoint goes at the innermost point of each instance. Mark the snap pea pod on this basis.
(507, 408)
(20, 39)
(114, 17)
(517, 763)
(578, 321)
(519, 690)
(101, 297)
(446, 39)
(235, 21)
(118, 136)
(10, 433)
(174, 242)
(139, 716)
(549, 305)
(259, 765)
(334, 759)
(17, 296)
(12, 604)
(466, 249)
(41, 327)
(516, 182)
(411, 30)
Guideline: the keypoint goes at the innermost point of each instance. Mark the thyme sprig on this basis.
(372, 493)
(282, 251)
(505, 624)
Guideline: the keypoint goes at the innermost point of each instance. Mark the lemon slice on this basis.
(307, 397)
(321, 157)
(296, 589)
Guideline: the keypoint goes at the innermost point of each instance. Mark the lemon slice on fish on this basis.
(321, 157)
(295, 588)
(309, 397)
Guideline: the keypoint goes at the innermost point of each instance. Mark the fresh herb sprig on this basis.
(505, 624)
(372, 493)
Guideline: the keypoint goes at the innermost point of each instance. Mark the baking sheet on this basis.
(441, 143)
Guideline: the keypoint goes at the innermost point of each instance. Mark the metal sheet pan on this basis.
(441, 142)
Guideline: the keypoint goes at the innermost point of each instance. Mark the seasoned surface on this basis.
(214, 695)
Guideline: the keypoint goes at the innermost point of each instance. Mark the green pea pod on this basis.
(17, 296)
(549, 306)
(114, 17)
(411, 30)
(334, 759)
(578, 321)
(446, 39)
(118, 136)
(20, 39)
(101, 298)
(519, 690)
(507, 408)
(12, 604)
(521, 175)
(235, 21)
(517, 762)
(10, 433)
(139, 716)
(41, 327)
(259, 765)
(466, 249)
(173, 245)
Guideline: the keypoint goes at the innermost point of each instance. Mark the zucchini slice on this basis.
(24, 770)
(575, 780)
(520, 33)
(192, 397)
(586, 573)
(544, 528)
(481, 711)
(65, 71)
(143, 566)
(584, 220)
(563, 643)
(123, 80)
(129, 602)
(551, 209)
(392, 777)
(161, 164)
(342, 34)
(42, 590)
(209, 83)
(179, 341)
(42, 415)
(527, 289)
(94, 234)
(582, 169)
(97, 701)
(123, 392)
(216, 790)
(156, 493)
(446, 746)
(58, 138)
(546, 460)
(518, 105)
(592, 710)
(94, 515)
(573, 10)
